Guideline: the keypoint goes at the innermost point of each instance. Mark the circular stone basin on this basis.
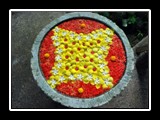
(82, 60)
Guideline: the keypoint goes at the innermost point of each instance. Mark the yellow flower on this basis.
(87, 43)
(79, 56)
(86, 81)
(90, 71)
(104, 86)
(92, 82)
(68, 73)
(73, 71)
(95, 49)
(105, 76)
(46, 55)
(51, 77)
(110, 79)
(80, 90)
(83, 25)
(110, 85)
(109, 32)
(100, 52)
(113, 58)
(52, 83)
(96, 60)
(98, 86)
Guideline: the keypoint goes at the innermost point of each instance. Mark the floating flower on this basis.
(109, 32)
(64, 33)
(113, 58)
(60, 51)
(100, 56)
(62, 78)
(104, 72)
(83, 25)
(103, 48)
(46, 55)
(89, 77)
(58, 57)
(88, 37)
(107, 39)
(95, 36)
(102, 65)
(56, 29)
(80, 90)
(52, 83)
(57, 43)
(80, 77)
(81, 58)
(97, 81)
(71, 77)
(79, 37)
(59, 65)
(109, 84)
(72, 35)
(55, 72)
(54, 37)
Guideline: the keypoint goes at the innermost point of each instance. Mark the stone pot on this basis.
(80, 102)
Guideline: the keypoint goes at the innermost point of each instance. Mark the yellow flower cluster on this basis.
(81, 57)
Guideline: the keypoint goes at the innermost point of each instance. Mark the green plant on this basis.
(129, 20)
(133, 23)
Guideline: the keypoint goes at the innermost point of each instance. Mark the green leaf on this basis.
(132, 20)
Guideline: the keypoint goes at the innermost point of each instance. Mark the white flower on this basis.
(53, 82)
(56, 29)
(108, 32)
(99, 56)
(107, 39)
(102, 65)
(54, 37)
(100, 33)
(59, 51)
(89, 77)
(59, 65)
(103, 48)
(71, 77)
(95, 36)
(88, 37)
(57, 43)
(72, 35)
(104, 72)
(61, 78)
(64, 33)
(80, 76)
(55, 72)
(58, 58)
(96, 81)
(106, 81)
(79, 37)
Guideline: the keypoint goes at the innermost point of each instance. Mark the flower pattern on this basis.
(80, 58)
(61, 79)
(58, 57)
(55, 72)
(71, 77)
(79, 77)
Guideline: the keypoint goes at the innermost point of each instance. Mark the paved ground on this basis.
(25, 92)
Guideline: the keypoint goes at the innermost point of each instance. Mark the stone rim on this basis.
(81, 102)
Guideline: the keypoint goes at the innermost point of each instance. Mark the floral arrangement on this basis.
(82, 58)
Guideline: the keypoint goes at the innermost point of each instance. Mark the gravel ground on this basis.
(25, 93)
